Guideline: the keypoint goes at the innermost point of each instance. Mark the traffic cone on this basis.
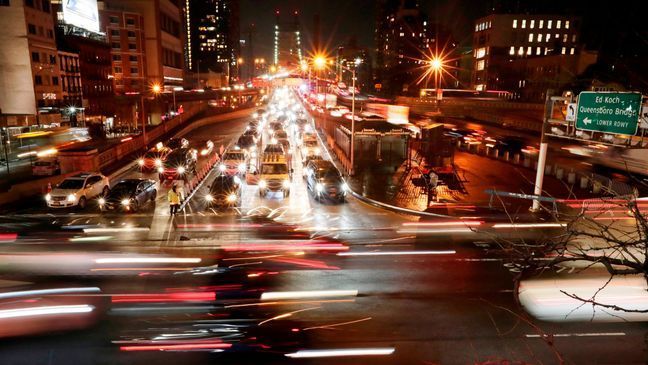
(49, 187)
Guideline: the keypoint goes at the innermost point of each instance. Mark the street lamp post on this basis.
(437, 65)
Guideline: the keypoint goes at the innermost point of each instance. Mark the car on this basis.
(153, 159)
(308, 159)
(129, 195)
(224, 192)
(178, 165)
(245, 142)
(325, 181)
(310, 147)
(281, 137)
(206, 147)
(77, 190)
(274, 175)
(274, 148)
(175, 143)
(46, 167)
(233, 162)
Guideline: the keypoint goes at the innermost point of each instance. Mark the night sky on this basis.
(342, 19)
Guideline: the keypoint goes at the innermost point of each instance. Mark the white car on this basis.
(76, 191)
(310, 147)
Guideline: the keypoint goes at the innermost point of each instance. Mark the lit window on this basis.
(514, 23)
(480, 87)
(547, 37)
(574, 38)
(480, 53)
(476, 28)
(566, 24)
(490, 24)
(512, 51)
(532, 24)
(571, 51)
(539, 37)
(530, 37)
(529, 51)
(549, 24)
(538, 50)
(546, 51)
(540, 24)
(564, 38)
(480, 65)
(564, 50)
(521, 51)
(523, 23)
(558, 24)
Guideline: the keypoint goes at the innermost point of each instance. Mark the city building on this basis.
(287, 42)
(213, 36)
(72, 99)
(125, 34)
(346, 58)
(502, 43)
(405, 41)
(163, 42)
(30, 87)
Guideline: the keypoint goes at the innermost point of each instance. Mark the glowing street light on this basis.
(304, 66)
(156, 88)
(319, 62)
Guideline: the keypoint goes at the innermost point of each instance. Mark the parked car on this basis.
(46, 167)
(224, 192)
(178, 164)
(325, 181)
(77, 190)
(129, 195)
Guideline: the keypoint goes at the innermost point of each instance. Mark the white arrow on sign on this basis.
(587, 121)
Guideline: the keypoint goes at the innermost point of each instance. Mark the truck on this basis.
(274, 175)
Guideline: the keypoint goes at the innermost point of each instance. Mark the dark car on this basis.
(153, 159)
(175, 143)
(245, 142)
(324, 180)
(129, 195)
(178, 165)
(224, 192)
(274, 148)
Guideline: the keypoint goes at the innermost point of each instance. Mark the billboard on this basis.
(82, 13)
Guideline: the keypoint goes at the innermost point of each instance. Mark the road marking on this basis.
(591, 334)
(397, 253)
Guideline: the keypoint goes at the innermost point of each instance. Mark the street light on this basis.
(436, 66)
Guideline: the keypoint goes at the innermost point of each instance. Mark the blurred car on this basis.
(274, 175)
(75, 191)
(274, 148)
(175, 143)
(245, 142)
(325, 181)
(281, 137)
(153, 159)
(46, 167)
(178, 164)
(233, 162)
(308, 159)
(129, 195)
(338, 111)
(206, 147)
(310, 147)
(224, 192)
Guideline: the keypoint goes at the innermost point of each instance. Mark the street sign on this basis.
(571, 112)
(608, 112)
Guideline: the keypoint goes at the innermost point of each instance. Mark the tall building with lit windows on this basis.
(519, 52)
(212, 36)
(287, 42)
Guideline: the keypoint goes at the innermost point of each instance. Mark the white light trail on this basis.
(116, 229)
(529, 225)
(397, 253)
(44, 311)
(147, 260)
(591, 334)
(308, 294)
(305, 354)
(29, 293)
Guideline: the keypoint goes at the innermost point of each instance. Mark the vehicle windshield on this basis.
(71, 184)
(281, 134)
(233, 156)
(328, 173)
(152, 155)
(310, 143)
(274, 148)
(44, 163)
(123, 188)
(223, 184)
(274, 169)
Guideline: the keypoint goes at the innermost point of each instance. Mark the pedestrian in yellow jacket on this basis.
(174, 199)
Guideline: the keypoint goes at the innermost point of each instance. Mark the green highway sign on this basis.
(608, 112)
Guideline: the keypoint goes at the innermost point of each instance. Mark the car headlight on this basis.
(319, 187)
(231, 198)
(71, 198)
(158, 162)
(262, 184)
(48, 197)
(255, 115)
(317, 151)
(125, 202)
(160, 169)
(222, 167)
(242, 167)
(140, 162)
(102, 201)
(345, 187)
(204, 152)
(286, 184)
(209, 198)
(181, 170)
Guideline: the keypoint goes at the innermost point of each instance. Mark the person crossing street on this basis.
(174, 200)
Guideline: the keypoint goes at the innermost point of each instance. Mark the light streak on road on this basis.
(286, 315)
(58, 291)
(148, 260)
(308, 294)
(528, 225)
(266, 304)
(329, 326)
(90, 239)
(45, 311)
(397, 253)
(217, 346)
(116, 229)
(590, 334)
(443, 224)
(436, 231)
(306, 354)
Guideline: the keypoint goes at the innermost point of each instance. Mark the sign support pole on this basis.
(542, 156)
